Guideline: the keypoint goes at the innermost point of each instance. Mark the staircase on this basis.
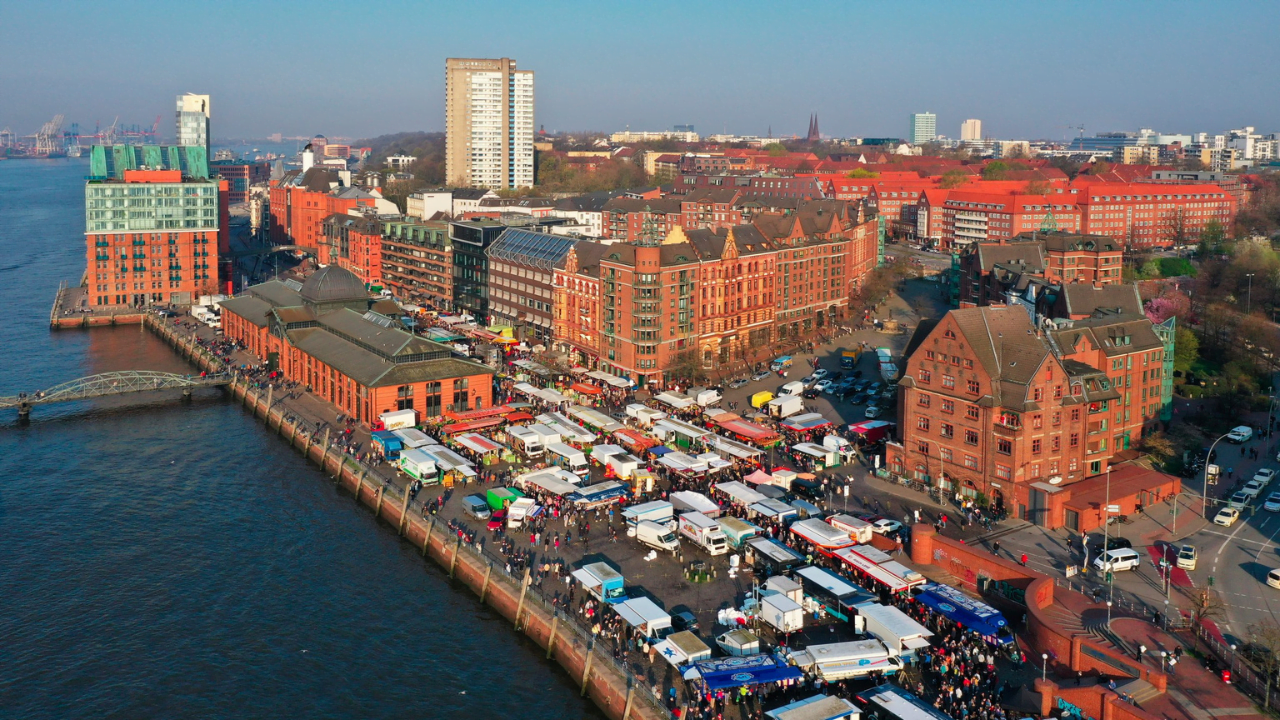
(1140, 690)
(1096, 624)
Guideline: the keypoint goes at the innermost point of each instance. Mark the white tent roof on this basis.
(641, 611)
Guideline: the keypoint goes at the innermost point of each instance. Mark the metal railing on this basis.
(1247, 678)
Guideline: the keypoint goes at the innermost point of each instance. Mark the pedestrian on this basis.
(995, 548)
(1024, 559)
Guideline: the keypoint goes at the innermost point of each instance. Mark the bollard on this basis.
(453, 561)
(404, 511)
(551, 640)
(586, 670)
(524, 588)
(631, 690)
(484, 588)
(426, 540)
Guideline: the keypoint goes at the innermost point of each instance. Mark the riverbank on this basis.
(605, 682)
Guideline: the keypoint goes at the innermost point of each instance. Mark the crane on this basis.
(48, 139)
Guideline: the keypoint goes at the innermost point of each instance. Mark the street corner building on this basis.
(328, 334)
(156, 226)
(1029, 410)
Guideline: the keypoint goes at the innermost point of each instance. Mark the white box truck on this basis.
(897, 630)
(548, 434)
(526, 441)
(570, 458)
(397, 419)
(658, 537)
(657, 511)
(519, 511)
(704, 532)
(783, 613)
(785, 405)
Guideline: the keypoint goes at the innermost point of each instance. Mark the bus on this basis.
(889, 702)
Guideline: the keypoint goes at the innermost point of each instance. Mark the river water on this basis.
(170, 558)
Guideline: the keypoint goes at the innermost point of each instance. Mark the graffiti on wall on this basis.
(1072, 710)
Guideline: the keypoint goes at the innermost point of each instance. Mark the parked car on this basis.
(1113, 542)
(820, 373)
(1265, 476)
(836, 375)
(1187, 557)
(1239, 500)
(861, 385)
(1273, 578)
(1253, 488)
(497, 520)
(684, 620)
(1117, 560)
(1227, 517)
(1240, 434)
(811, 489)
(884, 526)
(760, 375)
(873, 412)
(822, 386)
(810, 393)
(1273, 502)
(738, 383)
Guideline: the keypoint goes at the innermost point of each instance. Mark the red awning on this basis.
(749, 431)
(477, 414)
(519, 417)
(585, 389)
(634, 440)
(472, 425)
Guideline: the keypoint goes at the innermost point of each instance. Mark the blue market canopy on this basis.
(968, 612)
(739, 671)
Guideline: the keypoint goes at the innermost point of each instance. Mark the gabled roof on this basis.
(660, 206)
(1083, 299)
(1003, 341)
(1028, 255)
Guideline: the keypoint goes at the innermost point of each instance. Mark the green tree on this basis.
(775, 149)
(995, 170)
(1186, 350)
(1099, 167)
(861, 173)
(1212, 237)
(953, 178)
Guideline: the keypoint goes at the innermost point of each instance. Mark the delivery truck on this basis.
(521, 511)
(658, 511)
(737, 532)
(785, 405)
(902, 635)
(658, 537)
(528, 442)
(396, 419)
(704, 532)
(781, 363)
(569, 458)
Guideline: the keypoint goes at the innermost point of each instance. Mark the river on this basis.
(170, 558)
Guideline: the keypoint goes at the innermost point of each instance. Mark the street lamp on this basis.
(1204, 490)
(1108, 613)
(1044, 665)
(1163, 657)
(1233, 659)
(1248, 306)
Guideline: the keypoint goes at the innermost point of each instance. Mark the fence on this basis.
(1244, 675)
(1125, 603)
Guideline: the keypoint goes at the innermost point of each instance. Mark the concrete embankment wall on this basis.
(592, 668)
(82, 320)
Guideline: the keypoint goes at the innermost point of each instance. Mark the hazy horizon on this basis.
(1027, 71)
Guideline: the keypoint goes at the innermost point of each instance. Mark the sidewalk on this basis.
(1194, 692)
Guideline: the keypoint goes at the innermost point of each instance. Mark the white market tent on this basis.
(739, 493)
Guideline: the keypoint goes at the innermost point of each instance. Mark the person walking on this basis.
(995, 548)
(1024, 559)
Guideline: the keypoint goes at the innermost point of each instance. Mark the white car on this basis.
(822, 386)
(1273, 578)
(1273, 502)
(1226, 517)
(1264, 476)
(1253, 488)
(1118, 559)
(873, 412)
(1239, 500)
(819, 373)
(884, 526)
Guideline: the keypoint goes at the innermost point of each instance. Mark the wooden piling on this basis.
(551, 639)
(586, 670)
(484, 588)
(426, 539)
(453, 561)
(524, 588)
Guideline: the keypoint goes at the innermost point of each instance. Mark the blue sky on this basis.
(1026, 69)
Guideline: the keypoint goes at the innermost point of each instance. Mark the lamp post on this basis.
(1248, 305)
(1108, 613)
(1233, 659)
(1044, 665)
(1163, 657)
(1204, 490)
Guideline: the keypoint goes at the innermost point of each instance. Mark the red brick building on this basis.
(417, 261)
(327, 334)
(355, 243)
(626, 218)
(241, 175)
(153, 236)
(1147, 215)
(975, 215)
(301, 200)
(990, 269)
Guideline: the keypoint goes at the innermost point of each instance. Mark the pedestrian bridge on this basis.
(267, 250)
(112, 383)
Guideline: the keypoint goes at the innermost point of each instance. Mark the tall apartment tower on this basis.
(923, 129)
(488, 123)
(970, 130)
(193, 121)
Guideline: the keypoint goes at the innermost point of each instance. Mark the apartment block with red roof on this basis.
(301, 200)
(974, 216)
(1150, 215)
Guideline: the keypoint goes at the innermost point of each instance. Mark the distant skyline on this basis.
(1030, 70)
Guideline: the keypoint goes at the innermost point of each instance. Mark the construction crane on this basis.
(49, 138)
(7, 138)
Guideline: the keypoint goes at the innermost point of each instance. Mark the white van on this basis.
(1240, 434)
(527, 441)
(569, 458)
(1118, 559)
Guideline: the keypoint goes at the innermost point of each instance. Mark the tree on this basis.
(1171, 303)
(1100, 167)
(1264, 651)
(775, 149)
(1212, 237)
(953, 178)
(1205, 607)
(1174, 229)
(1186, 350)
(995, 170)
(1159, 446)
(861, 173)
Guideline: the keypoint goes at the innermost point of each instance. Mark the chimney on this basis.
(308, 158)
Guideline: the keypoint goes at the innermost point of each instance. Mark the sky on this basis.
(1026, 69)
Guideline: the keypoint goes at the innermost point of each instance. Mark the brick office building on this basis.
(977, 215)
(1147, 215)
(355, 242)
(240, 176)
(302, 199)
(989, 269)
(417, 261)
(625, 218)
(327, 334)
(153, 236)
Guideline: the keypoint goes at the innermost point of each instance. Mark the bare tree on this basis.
(1205, 606)
(1264, 642)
